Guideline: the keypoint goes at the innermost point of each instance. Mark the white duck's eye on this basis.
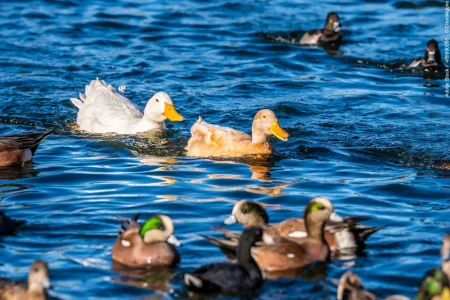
(157, 100)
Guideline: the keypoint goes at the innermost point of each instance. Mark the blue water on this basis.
(364, 132)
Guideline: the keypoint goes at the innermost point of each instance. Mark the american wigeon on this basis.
(280, 254)
(445, 254)
(230, 279)
(330, 32)
(432, 57)
(34, 289)
(343, 235)
(149, 244)
(8, 225)
(19, 148)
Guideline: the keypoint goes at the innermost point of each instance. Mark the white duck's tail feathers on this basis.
(95, 84)
(77, 102)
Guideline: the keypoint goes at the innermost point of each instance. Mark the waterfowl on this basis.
(432, 57)
(17, 149)
(8, 225)
(350, 287)
(213, 140)
(343, 235)
(103, 109)
(149, 244)
(230, 279)
(330, 32)
(435, 286)
(445, 254)
(34, 289)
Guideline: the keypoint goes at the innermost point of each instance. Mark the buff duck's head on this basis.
(160, 107)
(265, 124)
(38, 277)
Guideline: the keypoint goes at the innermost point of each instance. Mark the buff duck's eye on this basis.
(35, 270)
(264, 116)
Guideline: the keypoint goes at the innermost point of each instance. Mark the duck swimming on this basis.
(213, 140)
(330, 32)
(33, 289)
(432, 57)
(17, 149)
(148, 244)
(8, 225)
(103, 109)
(230, 279)
(343, 235)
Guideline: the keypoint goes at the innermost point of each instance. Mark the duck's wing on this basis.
(23, 141)
(102, 108)
(8, 225)
(217, 135)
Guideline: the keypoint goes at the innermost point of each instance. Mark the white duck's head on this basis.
(160, 107)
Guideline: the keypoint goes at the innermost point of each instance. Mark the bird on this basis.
(209, 140)
(330, 32)
(33, 289)
(17, 149)
(151, 243)
(431, 58)
(103, 109)
(230, 279)
(9, 226)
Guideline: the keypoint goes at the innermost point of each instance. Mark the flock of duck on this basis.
(262, 251)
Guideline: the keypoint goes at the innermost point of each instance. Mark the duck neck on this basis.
(35, 290)
(246, 260)
(258, 136)
(315, 230)
(147, 123)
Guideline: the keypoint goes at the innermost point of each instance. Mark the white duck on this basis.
(103, 109)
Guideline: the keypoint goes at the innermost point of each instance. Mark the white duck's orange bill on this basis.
(277, 131)
(171, 113)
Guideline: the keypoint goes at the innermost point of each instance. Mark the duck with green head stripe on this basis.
(149, 244)
(343, 235)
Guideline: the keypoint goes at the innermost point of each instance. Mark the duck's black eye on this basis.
(244, 211)
(161, 227)
(36, 270)
(258, 232)
(264, 116)
(157, 100)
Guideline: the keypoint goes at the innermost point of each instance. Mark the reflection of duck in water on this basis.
(432, 57)
(329, 37)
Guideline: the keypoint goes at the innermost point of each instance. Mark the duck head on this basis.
(265, 124)
(160, 107)
(248, 213)
(158, 228)
(435, 285)
(432, 53)
(332, 25)
(38, 277)
(317, 213)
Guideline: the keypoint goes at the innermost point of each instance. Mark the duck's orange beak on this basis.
(171, 113)
(277, 131)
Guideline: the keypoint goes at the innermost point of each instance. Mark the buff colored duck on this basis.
(151, 243)
(34, 289)
(213, 140)
(343, 235)
(104, 109)
(19, 148)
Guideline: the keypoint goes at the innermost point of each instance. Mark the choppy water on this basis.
(370, 136)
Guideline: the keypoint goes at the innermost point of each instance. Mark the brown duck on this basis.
(343, 235)
(20, 148)
(149, 244)
(34, 289)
